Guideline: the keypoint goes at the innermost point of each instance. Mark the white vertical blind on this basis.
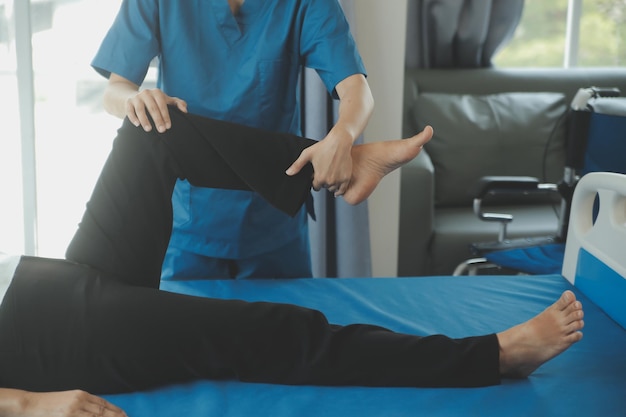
(56, 135)
(26, 98)
(572, 33)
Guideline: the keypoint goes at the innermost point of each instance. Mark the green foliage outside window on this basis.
(539, 40)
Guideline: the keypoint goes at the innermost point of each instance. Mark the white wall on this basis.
(380, 28)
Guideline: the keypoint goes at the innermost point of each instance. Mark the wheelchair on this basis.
(596, 141)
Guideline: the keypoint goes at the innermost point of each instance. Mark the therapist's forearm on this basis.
(117, 94)
(356, 105)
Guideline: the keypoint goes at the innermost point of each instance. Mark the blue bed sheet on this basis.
(587, 380)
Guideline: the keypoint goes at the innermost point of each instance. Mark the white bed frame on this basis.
(604, 238)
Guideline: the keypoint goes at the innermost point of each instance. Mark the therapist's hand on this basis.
(68, 404)
(122, 98)
(153, 102)
(331, 157)
(331, 160)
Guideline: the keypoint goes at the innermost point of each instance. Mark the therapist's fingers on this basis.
(160, 113)
(319, 181)
(152, 103)
(137, 109)
(306, 156)
(298, 164)
(341, 190)
(180, 104)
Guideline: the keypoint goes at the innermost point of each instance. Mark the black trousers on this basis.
(97, 321)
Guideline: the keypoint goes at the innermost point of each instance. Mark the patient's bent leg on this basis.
(126, 227)
(127, 223)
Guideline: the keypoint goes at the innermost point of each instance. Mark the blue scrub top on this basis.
(242, 69)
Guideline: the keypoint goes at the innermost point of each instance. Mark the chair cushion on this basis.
(517, 133)
(455, 228)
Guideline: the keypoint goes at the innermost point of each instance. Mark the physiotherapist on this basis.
(238, 61)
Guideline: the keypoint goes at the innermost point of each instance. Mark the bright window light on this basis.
(597, 35)
(73, 134)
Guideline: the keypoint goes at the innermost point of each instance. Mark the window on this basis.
(596, 35)
(72, 133)
(11, 208)
(603, 34)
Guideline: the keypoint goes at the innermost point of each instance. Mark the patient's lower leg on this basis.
(525, 347)
(372, 161)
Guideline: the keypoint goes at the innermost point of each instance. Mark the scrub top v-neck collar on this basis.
(233, 27)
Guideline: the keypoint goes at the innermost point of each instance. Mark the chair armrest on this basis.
(416, 215)
(521, 189)
(501, 188)
(501, 184)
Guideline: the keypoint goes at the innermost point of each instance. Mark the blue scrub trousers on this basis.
(289, 261)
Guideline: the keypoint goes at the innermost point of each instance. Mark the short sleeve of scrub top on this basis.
(243, 69)
(131, 43)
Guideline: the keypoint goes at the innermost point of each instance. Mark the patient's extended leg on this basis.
(372, 161)
(525, 347)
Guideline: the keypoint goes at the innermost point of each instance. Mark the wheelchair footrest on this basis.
(486, 247)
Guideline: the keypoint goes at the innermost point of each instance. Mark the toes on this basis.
(568, 296)
(574, 337)
(574, 311)
(567, 299)
(571, 318)
(574, 327)
(573, 307)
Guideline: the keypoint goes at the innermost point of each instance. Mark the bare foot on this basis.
(372, 161)
(525, 347)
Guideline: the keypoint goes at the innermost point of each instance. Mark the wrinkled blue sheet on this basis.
(587, 380)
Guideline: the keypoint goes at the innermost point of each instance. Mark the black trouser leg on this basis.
(127, 223)
(72, 327)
